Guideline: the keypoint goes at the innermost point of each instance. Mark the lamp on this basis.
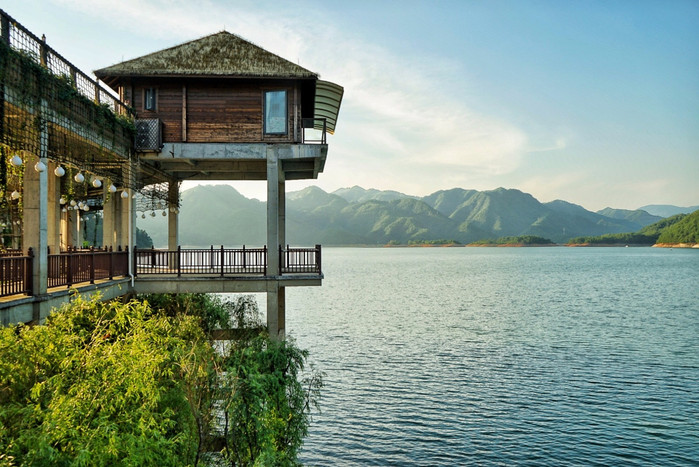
(79, 177)
(59, 171)
(15, 195)
(62, 200)
(164, 213)
(112, 188)
(96, 182)
(16, 160)
(40, 166)
(124, 194)
(73, 202)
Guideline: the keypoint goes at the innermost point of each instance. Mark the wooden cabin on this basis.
(222, 108)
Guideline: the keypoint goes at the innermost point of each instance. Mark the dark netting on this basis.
(50, 109)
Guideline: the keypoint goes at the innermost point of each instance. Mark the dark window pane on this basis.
(275, 112)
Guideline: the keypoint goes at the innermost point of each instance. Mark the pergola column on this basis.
(173, 197)
(109, 215)
(35, 235)
(54, 210)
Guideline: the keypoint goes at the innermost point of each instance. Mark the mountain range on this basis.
(220, 215)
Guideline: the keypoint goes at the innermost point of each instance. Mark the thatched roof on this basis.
(218, 55)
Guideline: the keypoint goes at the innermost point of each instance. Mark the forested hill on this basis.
(219, 215)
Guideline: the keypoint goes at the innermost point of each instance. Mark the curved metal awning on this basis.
(327, 104)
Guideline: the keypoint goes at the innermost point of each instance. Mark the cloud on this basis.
(406, 116)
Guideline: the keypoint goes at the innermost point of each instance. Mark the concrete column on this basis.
(281, 205)
(35, 235)
(173, 217)
(272, 212)
(54, 210)
(275, 300)
(123, 212)
(109, 214)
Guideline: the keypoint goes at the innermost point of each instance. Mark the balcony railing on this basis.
(225, 262)
(76, 266)
(314, 130)
(16, 274)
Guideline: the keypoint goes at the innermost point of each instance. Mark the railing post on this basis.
(28, 271)
(179, 260)
(264, 257)
(92, 265)
(244, 258)
(318, 263)
(221, 260)
(69, 267)
(111, 264)
(134, 261)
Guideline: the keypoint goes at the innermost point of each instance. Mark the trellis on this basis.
(52, 110)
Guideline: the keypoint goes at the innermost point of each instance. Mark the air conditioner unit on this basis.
(149, 134)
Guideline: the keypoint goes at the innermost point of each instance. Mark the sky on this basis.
(592, 102)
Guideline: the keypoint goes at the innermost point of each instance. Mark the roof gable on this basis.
(221, 54)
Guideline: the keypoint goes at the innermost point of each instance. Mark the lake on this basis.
(501, 356)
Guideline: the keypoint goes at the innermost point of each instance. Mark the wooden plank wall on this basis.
(214, 111)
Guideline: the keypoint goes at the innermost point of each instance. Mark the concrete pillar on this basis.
(273, 167)
(35, 235)
(173, 217)
(54, 210)
(275, 300)
(109, 214)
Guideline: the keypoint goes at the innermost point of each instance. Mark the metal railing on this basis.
(225, 261)
(300, 260)
(73, 267)
(21, 39)
(314, 130)
(16, 274)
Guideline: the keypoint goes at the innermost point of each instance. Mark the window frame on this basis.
(154, 107)
(265, 117)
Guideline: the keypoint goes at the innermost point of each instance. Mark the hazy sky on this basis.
(593, 102)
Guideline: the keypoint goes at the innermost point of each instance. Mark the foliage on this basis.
(648, 235)
(102, 383)
(143, 240)
(268, 407)
(686, 230)
(520, 240)
(616, 239)
(131, 384)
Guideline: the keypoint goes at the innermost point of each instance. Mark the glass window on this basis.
(275, 112)
(149, 99)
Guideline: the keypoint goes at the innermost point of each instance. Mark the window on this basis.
(149, 99)
(275, 112)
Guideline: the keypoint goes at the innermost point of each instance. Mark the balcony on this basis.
(225, 262)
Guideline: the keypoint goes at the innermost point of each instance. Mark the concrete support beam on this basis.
(54, 210)
(109, 215)
(172, 219)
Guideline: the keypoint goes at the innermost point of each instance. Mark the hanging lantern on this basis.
(124, 194)
(112, 188)
(62, 200)
(16, 160)
(79, 177)
(40, 166)
(152, 214)
(164, 213)
(64, 210)
(143, 216)
(73, 202)
(15, 195)
(96, 182)
(86, 207)
(59, 171)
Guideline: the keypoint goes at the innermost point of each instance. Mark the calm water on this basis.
(501, 356)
